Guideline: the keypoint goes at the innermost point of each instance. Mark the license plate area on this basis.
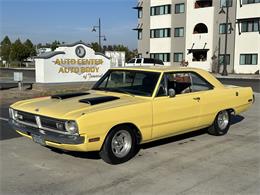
(38, 139)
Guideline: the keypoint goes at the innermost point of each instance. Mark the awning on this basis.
(197, 50)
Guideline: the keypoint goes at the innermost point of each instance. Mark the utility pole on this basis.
(227, 29)
(99, 34)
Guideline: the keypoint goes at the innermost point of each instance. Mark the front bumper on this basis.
(48, 136)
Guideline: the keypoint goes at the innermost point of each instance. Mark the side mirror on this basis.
(171, 93)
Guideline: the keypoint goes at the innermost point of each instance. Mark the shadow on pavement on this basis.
(191, 136)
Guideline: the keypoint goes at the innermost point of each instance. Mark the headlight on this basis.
(71, 127)
(15, 114)
(11, 113)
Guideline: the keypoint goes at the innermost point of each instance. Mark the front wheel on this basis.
(221, 124)
(119, 146)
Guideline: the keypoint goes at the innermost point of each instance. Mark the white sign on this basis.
(71, 63)
(117, 58)
(18, 76)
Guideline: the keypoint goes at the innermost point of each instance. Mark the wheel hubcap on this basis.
(121, 143)
(223, 120)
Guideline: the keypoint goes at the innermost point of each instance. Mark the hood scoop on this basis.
(98, 100)
(68, 95)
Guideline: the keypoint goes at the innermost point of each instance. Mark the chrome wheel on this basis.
(223, 119)
(121, 143)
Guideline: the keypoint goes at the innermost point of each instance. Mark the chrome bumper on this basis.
(46, 135)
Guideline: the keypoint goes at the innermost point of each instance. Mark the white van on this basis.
(144, 62)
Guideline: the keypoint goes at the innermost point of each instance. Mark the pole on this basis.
(219, 41)
(99, 35)
(225, 73)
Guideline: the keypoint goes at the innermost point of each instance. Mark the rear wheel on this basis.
(221, 124)
(119, 146)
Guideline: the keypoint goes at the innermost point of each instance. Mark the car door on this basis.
(209, 99)
(172, 115)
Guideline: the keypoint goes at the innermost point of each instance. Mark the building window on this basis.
(250, 25)
(165, 57)
(178, 57)
(179, 8)
(160, 33)
(225, 3)
(179, 32)
(223, 28)
(140, 13)
(139, 34)
(250, 1)
(248, 59)
(200, 28)
(160, 10)
(221, 58)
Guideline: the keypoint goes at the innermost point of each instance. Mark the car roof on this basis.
(158, 68)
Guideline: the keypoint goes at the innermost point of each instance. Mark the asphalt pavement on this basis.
(194, 163)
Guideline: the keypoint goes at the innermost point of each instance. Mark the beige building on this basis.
(194, 31)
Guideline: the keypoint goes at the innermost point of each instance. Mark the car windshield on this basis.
(131, 82)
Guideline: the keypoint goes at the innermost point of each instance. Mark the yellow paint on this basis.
(155, 117)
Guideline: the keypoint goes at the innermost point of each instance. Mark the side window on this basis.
(182, 82)
(198, 83)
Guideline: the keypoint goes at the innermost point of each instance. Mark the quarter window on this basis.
(248, 59)
(179, 32)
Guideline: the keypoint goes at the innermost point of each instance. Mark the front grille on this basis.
(27, 117)
(43, 122)
(52, 123)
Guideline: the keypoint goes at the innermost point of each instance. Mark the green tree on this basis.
(95, 47)
(54, 45)
(5, 49)
(18, 52)
(30, 49)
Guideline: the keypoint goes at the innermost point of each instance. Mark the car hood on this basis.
(72, 106)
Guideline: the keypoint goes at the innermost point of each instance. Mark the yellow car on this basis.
(128, 107)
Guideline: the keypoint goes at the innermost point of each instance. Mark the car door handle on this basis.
(197, 98)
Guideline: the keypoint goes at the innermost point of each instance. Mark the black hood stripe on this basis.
(98, 100)
(68, 95)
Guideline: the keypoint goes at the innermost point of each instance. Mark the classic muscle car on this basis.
(128, 107)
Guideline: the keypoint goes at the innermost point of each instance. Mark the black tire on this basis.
(108, 152)
(216, 129)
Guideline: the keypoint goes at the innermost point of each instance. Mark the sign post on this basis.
(18, 77)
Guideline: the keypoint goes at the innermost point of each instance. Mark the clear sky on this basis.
(69, 20)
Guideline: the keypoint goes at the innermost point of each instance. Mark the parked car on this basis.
(128, 107)
(144, 62)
